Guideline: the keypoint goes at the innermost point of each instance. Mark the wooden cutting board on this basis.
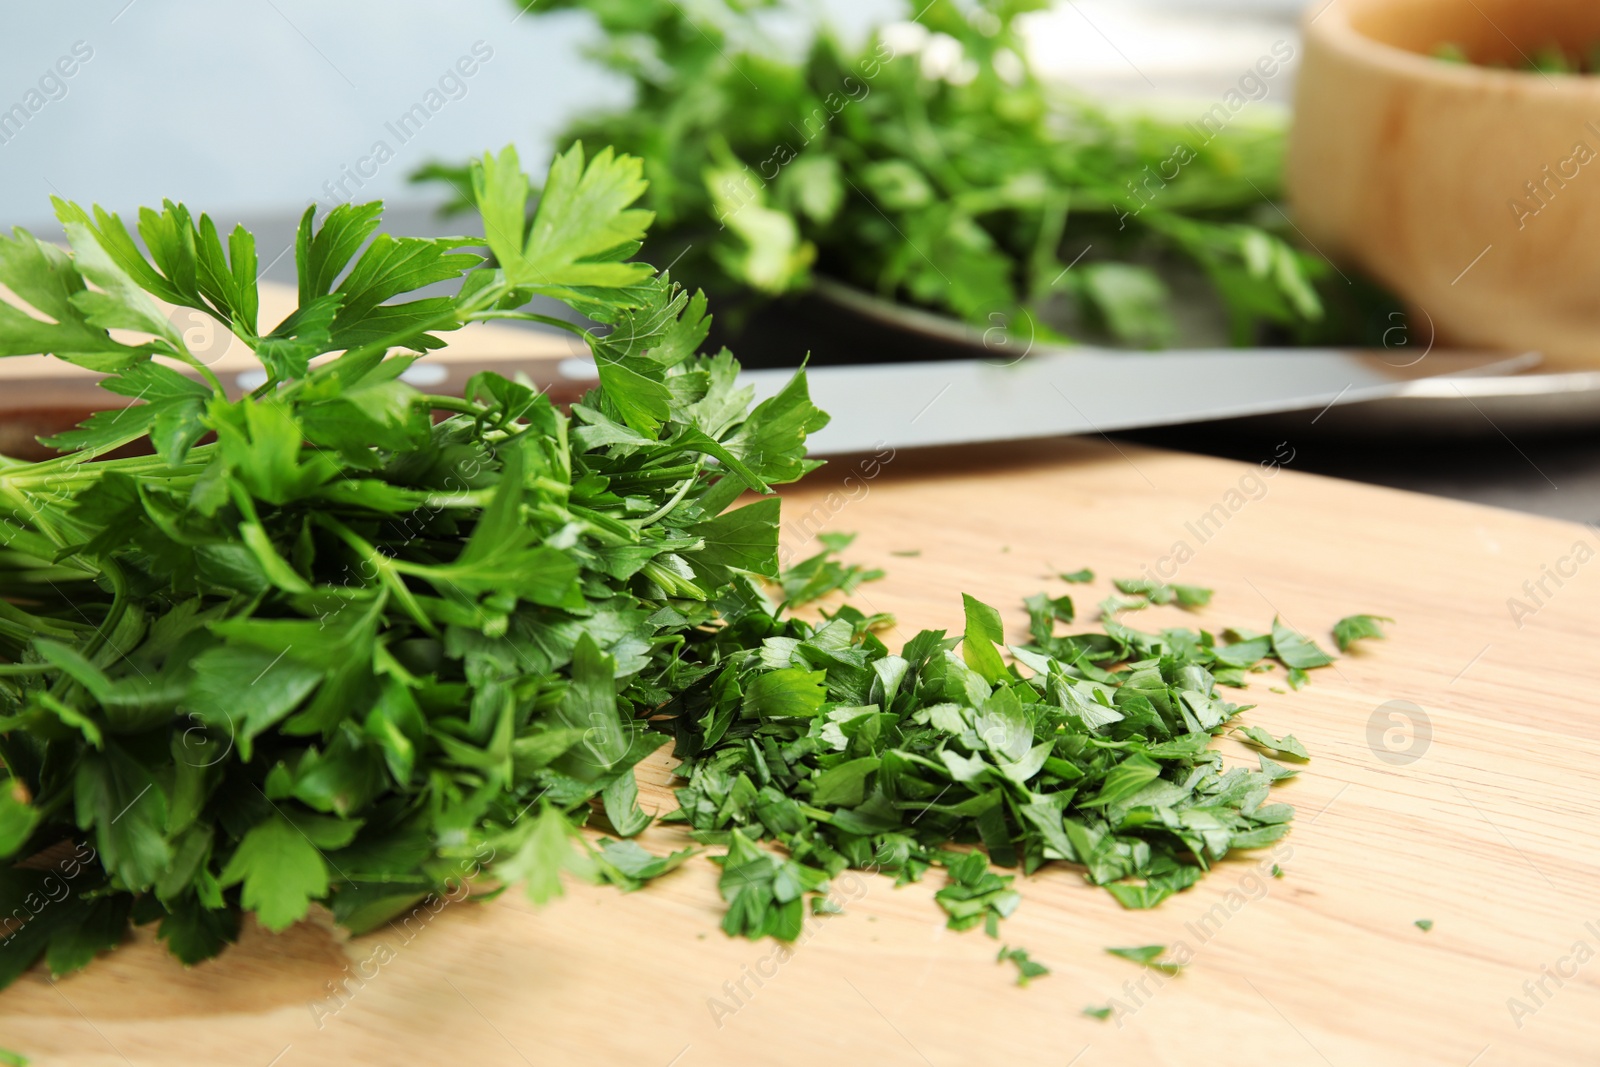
(1484, 823)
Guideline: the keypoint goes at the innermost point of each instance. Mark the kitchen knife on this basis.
(907, 405)
(950, 402)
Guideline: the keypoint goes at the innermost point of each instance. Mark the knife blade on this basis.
(951, 402)
(911, 405)
(962, 402)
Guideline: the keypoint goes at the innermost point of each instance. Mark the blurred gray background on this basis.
(249, 107)
(254, 108)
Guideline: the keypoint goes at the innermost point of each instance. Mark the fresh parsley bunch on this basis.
(311, 645)
(933, 166)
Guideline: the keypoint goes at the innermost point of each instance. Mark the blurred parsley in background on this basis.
(933, 166)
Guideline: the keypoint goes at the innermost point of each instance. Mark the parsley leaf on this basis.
(1284, 746)
(1296, 650)
(282, 872)
(815, 577)
(1187, 596)
(1352, 628)
(1027, 969)
(1148, 956)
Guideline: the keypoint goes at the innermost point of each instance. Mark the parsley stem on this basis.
(387, 569)
(677, 498)
(454, 403)
(532, 316)
(181, 351)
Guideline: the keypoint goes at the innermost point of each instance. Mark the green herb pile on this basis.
(1550, 59)
(339, 642)
(341, 652)
(948, 176)
(1091, 748)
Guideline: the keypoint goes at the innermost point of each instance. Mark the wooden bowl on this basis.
(1473, 193)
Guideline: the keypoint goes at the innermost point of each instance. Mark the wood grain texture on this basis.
(1490, 832)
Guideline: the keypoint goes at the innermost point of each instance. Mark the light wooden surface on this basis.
(1469, 192)
(1491, 833)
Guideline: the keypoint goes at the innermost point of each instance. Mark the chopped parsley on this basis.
(1349, 630)
(1027, 969)
(1149, 956)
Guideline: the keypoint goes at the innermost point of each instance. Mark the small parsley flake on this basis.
(1149, 956)
(1027, 969)
(1353, 628)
